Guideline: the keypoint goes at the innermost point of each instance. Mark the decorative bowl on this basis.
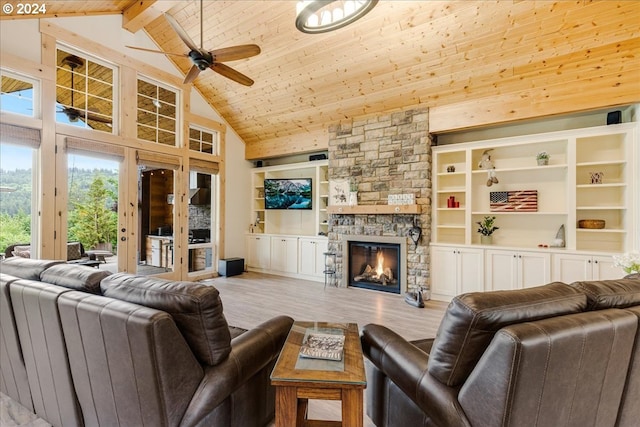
(591, 223)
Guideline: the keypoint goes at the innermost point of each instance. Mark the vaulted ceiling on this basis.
(526, 57)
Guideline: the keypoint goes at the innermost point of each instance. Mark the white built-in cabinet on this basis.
(292, 222)
(456, 270)
(258, 252)
(508, 269)
(521, 254)
(570, 268)
(284, 254)
(291, 256)
(311, 259)
(289, 242)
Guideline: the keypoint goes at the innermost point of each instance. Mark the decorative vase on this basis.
(486, 240)
(543, 162)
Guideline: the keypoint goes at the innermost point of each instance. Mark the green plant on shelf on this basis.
(486, 226)
(542, 155)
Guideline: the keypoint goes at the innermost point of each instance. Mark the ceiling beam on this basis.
(142, 12)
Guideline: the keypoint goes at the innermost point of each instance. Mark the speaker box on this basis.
(259, 163)
(230, 266)
(317, 157)
(614, 117)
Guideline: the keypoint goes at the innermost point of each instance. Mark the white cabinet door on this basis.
(284, 254)
(456, 270)
(311, 256)
(514, 270)
(570, 268)
(307, 256)
(470, 270)
(444, 275)
(534, 269)
(502, 270)
(259, 251)
(603, 269)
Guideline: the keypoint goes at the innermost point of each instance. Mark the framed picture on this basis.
(339, 192)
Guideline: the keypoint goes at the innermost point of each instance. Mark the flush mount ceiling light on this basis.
(321, 16)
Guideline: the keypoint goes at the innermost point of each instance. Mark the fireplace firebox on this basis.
(374, 266)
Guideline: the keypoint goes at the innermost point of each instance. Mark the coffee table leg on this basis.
(352, 408)
(286, 406)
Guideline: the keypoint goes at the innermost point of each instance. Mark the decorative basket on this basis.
(591, 223)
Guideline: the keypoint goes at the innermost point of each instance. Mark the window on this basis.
(203, 141)
(18, 186)
(84, 92)
(157, 113)
(18, 95)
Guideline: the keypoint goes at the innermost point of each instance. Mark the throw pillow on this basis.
(73, 251)
(73, 276)
(22, 254)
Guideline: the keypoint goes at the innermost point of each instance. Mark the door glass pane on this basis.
(92, 217)
(155, 220)
(16, 197)
(202, 239)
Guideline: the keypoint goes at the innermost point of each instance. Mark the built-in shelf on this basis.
(374, 209)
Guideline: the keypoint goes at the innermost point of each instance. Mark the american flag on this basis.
(514, 201)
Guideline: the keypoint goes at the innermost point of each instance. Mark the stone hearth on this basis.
(383, 155)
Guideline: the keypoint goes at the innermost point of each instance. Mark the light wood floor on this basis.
(252, 298)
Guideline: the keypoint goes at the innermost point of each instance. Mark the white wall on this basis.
(22, 38)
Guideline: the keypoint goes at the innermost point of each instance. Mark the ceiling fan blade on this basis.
(232, 74)
(181, 32)
(184, 55)
(96, 118)
(235, 52)
(192, 74)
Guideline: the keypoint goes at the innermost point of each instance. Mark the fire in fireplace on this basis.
(374, 266)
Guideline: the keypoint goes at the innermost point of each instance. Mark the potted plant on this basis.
(542, 158)
(486, 229)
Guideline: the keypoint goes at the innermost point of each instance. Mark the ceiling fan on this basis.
(203, 59)
(72, 113)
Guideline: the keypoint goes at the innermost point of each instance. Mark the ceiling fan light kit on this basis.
(322, 16)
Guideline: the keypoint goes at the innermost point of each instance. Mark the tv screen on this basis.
(287, 193)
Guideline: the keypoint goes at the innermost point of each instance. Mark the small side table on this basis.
(99, 255)
(327, 380)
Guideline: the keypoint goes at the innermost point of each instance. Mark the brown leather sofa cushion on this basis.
(26, 268)
(73, 276)
(472, 319)
(196, 308)
(611, 293)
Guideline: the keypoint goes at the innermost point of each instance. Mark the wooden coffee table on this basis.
(297, 379)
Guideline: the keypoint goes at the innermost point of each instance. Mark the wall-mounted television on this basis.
(287, 193)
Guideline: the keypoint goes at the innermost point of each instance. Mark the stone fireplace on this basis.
(382, 156)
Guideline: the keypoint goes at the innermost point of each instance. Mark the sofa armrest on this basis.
(250, 353)
(398, 359)
(406, 365)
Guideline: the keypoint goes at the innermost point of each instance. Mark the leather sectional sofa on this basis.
(554, 355)
(82, 347)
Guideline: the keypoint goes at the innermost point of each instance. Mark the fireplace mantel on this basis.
(374, 209)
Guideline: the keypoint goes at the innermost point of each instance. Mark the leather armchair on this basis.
(508, 358)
